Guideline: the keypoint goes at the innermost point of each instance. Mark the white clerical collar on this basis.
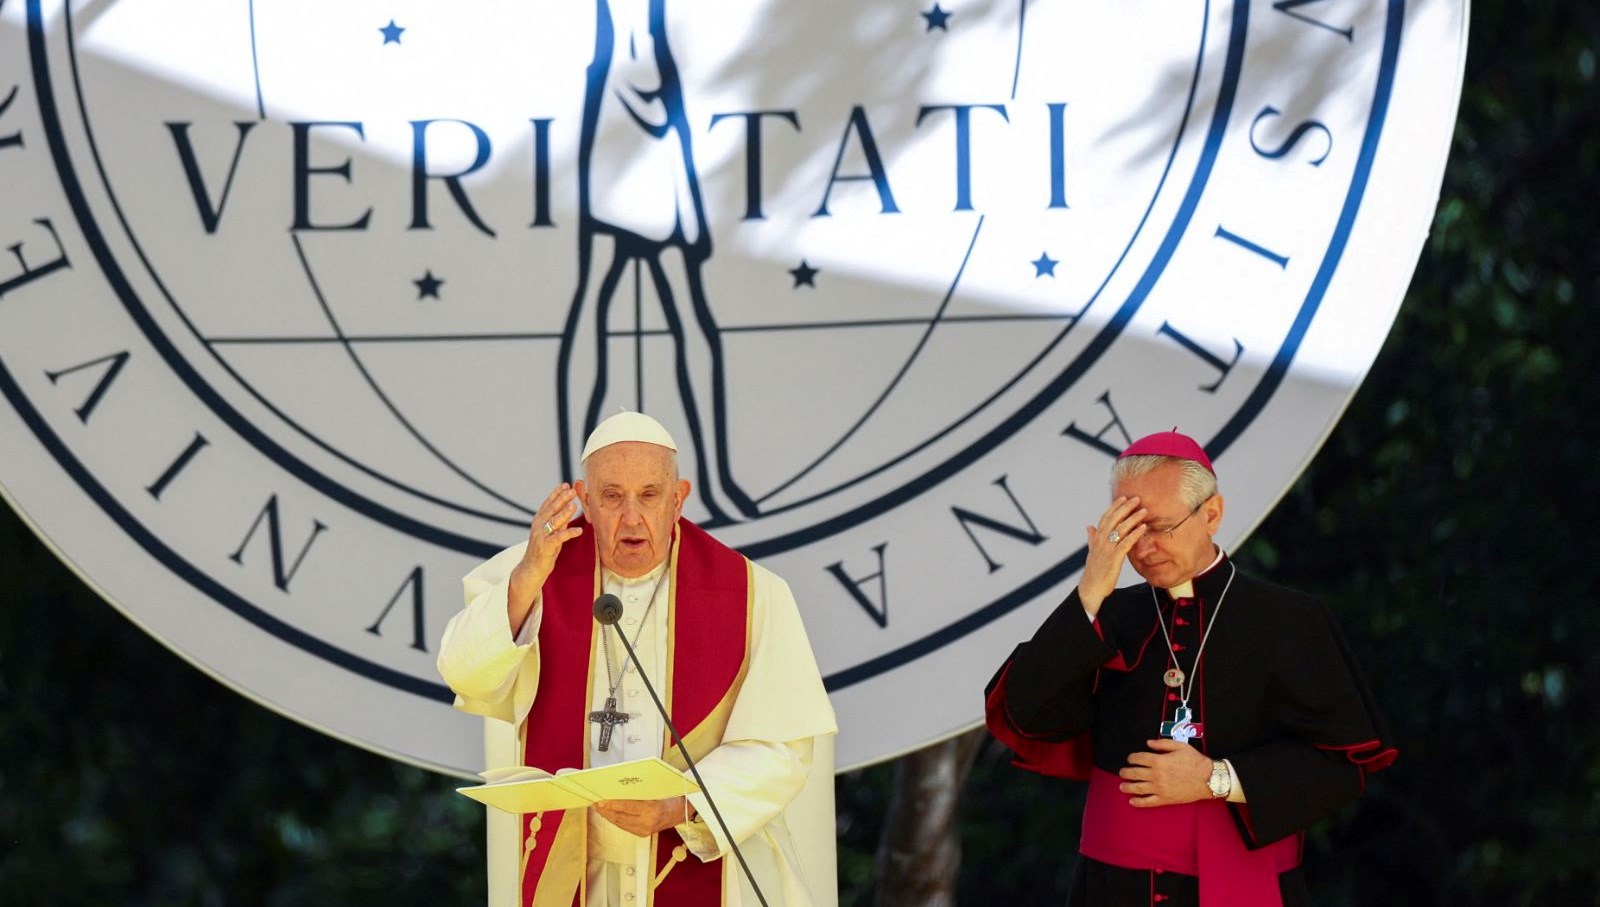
(1185, 589)
(608, 577)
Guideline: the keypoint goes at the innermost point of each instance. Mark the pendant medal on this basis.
(1173, 678)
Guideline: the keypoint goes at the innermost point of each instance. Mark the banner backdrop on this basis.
(304, 306)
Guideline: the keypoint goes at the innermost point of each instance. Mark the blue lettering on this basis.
(1287, 7)
(303, 171)
(752, 154)
(452, 181)
(282, 573)
(1205, 355)
(869, 148)
(210, 214)
(963, 144)
(1097, 440)
(113, 365)
(14, 138)
(29, 275)
(1293, 139)
(418, 634)
(1281, 261)
(879, 610)
(541, 173)
(968, 519)
(1058, 156)
(178, 465)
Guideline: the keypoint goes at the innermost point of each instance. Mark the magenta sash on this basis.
(1197, 839)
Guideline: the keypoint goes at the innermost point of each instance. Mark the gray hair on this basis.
(1195, 482)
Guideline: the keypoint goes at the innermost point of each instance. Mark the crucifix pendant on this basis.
(1180, 728)
(608, 718)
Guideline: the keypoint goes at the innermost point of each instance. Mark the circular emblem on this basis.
(303, 308)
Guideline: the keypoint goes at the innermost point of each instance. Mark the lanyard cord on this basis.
(1183, 694)
(644, 621)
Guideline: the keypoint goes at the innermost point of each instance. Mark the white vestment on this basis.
(774, 791)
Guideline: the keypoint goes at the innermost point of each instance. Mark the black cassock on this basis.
(1276, 693)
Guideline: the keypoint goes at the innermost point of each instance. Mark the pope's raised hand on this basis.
(549, 530)
(1119, 529)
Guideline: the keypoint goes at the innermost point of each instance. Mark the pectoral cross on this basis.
(1180, 728)
(608, 718)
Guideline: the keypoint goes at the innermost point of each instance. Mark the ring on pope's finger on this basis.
(549, 529)
(1115, 536)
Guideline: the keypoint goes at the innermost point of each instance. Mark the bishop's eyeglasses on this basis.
(1167, 532)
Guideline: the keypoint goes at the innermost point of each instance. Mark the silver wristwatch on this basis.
(1221, 782)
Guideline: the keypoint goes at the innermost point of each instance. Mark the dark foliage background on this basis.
(1450, 522)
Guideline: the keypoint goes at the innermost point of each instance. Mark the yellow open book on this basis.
(520, 789)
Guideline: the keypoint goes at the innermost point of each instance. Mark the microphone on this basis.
(607, 611)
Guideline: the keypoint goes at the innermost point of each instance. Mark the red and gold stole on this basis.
(708, 643)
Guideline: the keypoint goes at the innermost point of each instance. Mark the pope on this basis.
(722, 642)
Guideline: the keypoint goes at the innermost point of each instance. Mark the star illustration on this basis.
(391, 33)
(937, 18)
(1044, 265)
(428, 286)
(804, 275)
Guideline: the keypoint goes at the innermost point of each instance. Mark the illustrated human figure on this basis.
(642, 228)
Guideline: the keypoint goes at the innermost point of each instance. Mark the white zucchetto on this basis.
(626, 426)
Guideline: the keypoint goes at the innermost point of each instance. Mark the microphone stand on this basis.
(650, 688)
